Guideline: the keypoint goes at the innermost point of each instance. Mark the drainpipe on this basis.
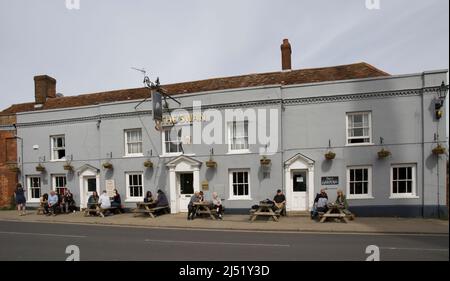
(423, 144)
(283, 183)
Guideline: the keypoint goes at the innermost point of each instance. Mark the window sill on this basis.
(359, 144)
(240, 199)
(233, 152)
(57, 160)
(361, 198)
(134, 200)
(404, 197)
(169, 155)
(133, 156)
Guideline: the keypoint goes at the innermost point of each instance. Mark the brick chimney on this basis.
(286, 55)
(44, 88)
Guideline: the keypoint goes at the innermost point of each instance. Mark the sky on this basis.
(92, 49)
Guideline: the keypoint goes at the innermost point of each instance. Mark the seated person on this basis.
(104, 202)
(92, 202)
(341, 201)
(191, 207)
(43, 202)
(52, 203)
(161, 200)
(117, 201)
(280, 201)
(68, 204)
(148, 197)
(201, 196)
(320, 203)
(217, 204)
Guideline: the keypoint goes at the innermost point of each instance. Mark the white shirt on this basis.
(104, 201)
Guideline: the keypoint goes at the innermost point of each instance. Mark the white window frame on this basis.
(163, 141)
(413, 194)
(127, 185)
(348, 137)
(230, 137)
(230, 180)
(54, 188)
(127, 153)
(52, 148)
(29, 189)
(369, 183)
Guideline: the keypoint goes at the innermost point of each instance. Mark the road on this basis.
(48, 241)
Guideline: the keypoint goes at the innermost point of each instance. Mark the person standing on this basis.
(19, 195)
(68, 204)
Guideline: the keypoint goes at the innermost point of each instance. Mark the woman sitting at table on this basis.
(341, 201)
(43, 202)
(217, 204)
(117, 201)
(92, 202)
(148, 197)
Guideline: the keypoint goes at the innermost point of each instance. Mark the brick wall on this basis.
(8, 156)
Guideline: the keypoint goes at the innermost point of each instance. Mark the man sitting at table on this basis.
(104, 201)
(280, 201)
(320, 203)
(191, 207)
(161, 200)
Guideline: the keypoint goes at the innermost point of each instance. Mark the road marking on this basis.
(217, 243)
(414, 249)
(41, 234)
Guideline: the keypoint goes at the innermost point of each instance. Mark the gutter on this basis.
(423, 143)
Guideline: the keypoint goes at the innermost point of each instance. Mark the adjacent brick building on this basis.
(8, 159)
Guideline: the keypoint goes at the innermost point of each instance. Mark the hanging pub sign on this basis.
(157, 106)
(330, 180)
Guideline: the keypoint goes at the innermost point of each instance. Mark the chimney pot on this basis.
(44, 88)
(286, 52)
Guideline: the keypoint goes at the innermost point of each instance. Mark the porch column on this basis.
(173, 191)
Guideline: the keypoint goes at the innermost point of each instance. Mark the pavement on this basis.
(242, 223)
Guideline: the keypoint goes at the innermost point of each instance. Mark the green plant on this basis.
(211, 163)
(330, 155)
(107, 165)
(68, 167)
(383, 153)
(439, 149)
(40, 168)
(148, 164)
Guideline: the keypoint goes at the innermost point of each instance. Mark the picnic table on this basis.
(204, 208)
(334, 212)
(264, 209)
(148, 208)
(95, 207)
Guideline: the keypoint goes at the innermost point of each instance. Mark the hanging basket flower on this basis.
(265, 161)
(148, 164)
(211, 163)
(330, 155)
(439, 149)
(383, 153)
(40, 168)
(14, 168)
(68, 167)
(107, 165)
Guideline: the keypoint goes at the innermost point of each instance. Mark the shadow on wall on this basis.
(210, 173)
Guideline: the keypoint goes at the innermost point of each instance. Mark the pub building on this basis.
(378, 137)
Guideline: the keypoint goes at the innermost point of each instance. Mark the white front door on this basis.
(89, 186)
(185, 189)
(299, 190)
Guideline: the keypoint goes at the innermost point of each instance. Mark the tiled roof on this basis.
(301, 76)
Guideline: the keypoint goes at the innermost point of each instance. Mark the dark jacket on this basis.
(162, 200)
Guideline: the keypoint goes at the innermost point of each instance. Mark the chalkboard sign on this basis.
(330, 180)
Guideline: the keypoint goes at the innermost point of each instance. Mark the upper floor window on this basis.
(172, 141)
(59, 184)
(403, 181)
(58, 147)
(133, 142)
(359, 128)
(34, 188)
(238, 136)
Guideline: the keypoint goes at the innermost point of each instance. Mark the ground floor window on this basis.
(59, 184)
(135, 186)
(403, 181)
(34, 188)
(239, 184)
(359, 182)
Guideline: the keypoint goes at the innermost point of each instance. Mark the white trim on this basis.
(230, 136)
(163, 143)
(53, 187)
(347, 137)
(130, 198)
(87, 171)
(369, 183)
(140, 154)
(299, 162)
(230, 185)
(28, 182)
(413, 194)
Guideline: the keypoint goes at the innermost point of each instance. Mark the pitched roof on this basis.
(301, 76)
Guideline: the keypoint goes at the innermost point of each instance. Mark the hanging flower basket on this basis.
(14, 168)
(330, 155)
(383, 153)
(439, 149)
(211, 164)
(40, 168)
(107, 165)
(265, 161)
(148, 164)
(68, 167)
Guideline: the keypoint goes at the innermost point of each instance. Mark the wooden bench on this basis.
(100, 211)
(144, 208)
